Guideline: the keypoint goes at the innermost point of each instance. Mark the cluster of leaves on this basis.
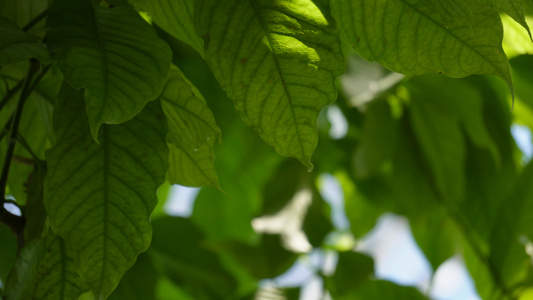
(103, 102)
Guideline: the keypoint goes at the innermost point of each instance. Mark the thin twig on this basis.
(35, 20)
(15, 223)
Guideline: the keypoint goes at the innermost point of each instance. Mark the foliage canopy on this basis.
(105, 103)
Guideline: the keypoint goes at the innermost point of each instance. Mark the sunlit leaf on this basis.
(17, 45)
(192, 133)
(175, 17)
(451, 37)
(100, 196)
(112, 53)
(277, 61)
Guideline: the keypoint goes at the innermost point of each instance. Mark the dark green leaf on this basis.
(353, 268)
(379, 289)
(139, 283)
(177, 245)
(112, 53)
(192, 133)
(17, 45)
(99, 196)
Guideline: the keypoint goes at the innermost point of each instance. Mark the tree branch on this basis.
(15, 223)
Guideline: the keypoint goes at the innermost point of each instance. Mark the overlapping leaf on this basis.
(450, 37)
(192, 133)
(17, 45)
(45, 271)
(277, 61)
(175, 17)
(57, 277)
(441, 108)
(99, 196)
(112, 53)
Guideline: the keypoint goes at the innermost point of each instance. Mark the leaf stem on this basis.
(10, 93)
(35, 20)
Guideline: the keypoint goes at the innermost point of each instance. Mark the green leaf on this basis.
(377, 141)
(56, 276)
(17, 45)
(175, 17)
(267, 259)
(513, 8)
(441, 139)
(353, 268)
(8, 251)
(178, 246)
(317, 222)
(139, 283)
(277, 61)
(112, 53)
(45, 271)
(380, 289)
(99, 196)
(22, 279)
(451, 37)
(192, 133)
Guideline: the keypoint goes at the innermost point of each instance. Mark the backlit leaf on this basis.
(277, 61)
(99, 196)
(175, 17)
(112, 53)
(450, 37)
(192, 133)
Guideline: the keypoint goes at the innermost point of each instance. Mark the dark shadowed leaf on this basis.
(112, 53)
(99, 196)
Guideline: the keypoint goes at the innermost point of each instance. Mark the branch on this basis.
(15, 223)
(35, 20)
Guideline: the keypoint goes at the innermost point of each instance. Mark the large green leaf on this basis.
(451, 37)
(17, 45)
(44, 271)
(175, 17)
(57, 278)
(277, 61)
(112, 53)
(514, 8)
(192, 133)
(178, 246)
(440, 109)
(99, 196)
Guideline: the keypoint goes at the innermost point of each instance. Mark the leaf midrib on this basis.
(293, 113)
(454, 36)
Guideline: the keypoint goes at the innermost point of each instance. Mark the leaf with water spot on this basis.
(99, 196)
(278, 62)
